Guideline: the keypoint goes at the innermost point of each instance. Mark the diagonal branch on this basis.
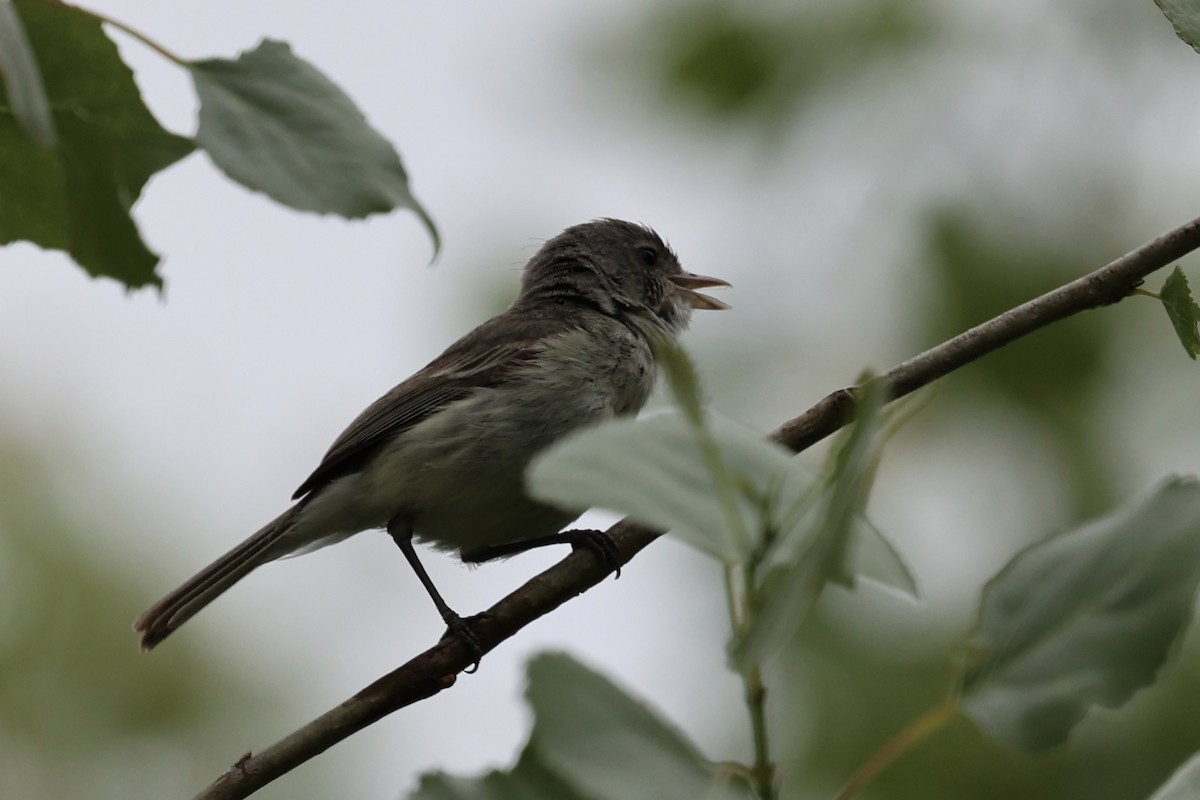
(430, 672)
(1107, 285)
(436, 669)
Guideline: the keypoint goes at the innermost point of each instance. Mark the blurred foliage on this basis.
(850, 695)
(82, 712)
(759, 62)
(1084, 619)
(584, 724)
(1054, 376)
(981, 273)
(840, 693)
(1184, 784)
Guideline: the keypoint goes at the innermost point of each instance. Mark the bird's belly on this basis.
(460, 474)
(488, 518)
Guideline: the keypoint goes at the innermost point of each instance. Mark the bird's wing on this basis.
(485, 357)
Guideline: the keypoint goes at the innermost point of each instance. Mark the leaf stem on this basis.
(740, 599)
(1147, 293)
(763, 771)
(736, 615)
(740, 596)
(121, 26)
(916, 732)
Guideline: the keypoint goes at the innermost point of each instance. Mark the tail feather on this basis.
(205, 586)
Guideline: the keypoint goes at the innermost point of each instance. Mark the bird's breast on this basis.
(462, 470)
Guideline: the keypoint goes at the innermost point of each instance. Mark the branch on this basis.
(1105, 286)
(436, 669)
(430, 672)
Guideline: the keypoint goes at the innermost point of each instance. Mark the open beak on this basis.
(686, 284)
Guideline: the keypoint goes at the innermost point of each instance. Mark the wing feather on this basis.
(485, 357)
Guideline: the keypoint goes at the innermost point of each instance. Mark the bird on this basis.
(441, 457)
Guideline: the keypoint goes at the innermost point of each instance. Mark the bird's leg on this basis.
(401, 532)
(599, 542)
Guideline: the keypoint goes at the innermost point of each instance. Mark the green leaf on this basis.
(23, 79)
(528, 780)
(1184, 784)
(872, 554)
(877, 560)
(1185, 18)
(592, 741)
(850, 484)
(1182, 310)
(77, 198)
(653, 469)
(822, 549)
(799, 497)
(1084, 618)
(608, 744)
(684, 381)
(276, 124)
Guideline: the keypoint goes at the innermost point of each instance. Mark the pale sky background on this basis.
(192, 417)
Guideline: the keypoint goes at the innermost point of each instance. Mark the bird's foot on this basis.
(459, 628)
(600, 543)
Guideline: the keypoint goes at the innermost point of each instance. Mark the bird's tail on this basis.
(202, 588)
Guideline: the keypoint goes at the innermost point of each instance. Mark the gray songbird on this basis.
(442, 456)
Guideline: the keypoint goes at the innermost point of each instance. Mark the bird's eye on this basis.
(648, 255)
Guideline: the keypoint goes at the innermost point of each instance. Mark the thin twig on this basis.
(436, 668)
(918, 731)
(121, 26)
(739, 600)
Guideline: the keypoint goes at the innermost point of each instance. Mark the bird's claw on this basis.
(600, 543)
(459, 628)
